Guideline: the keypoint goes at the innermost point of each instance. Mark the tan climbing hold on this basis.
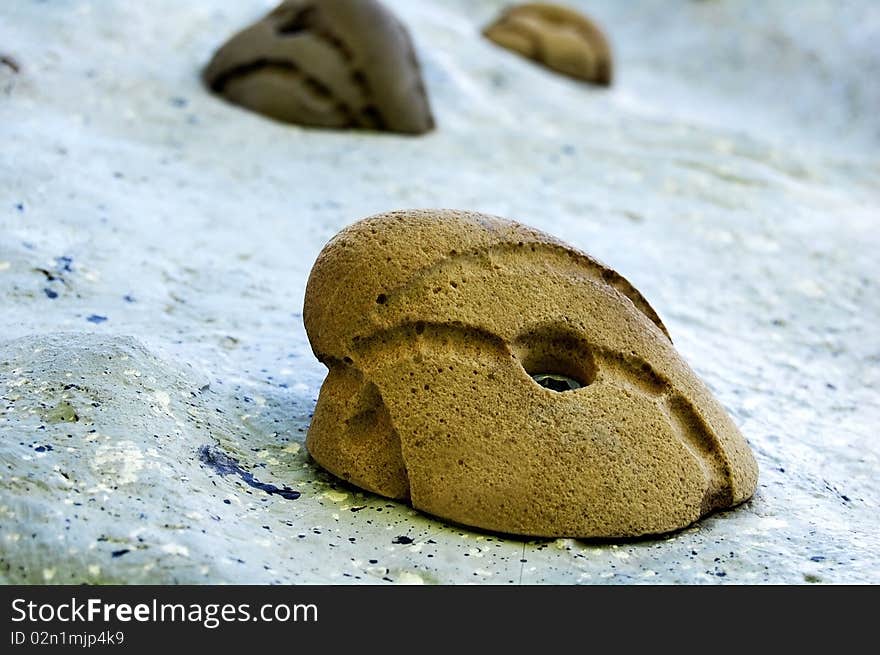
(325, 63)
(560, 38)
(493, 376)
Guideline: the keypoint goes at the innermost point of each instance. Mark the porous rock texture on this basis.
(434, 324)
(326, 63)
(562, 39)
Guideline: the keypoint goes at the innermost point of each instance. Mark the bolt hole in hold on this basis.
(555, 358)
(556, 382)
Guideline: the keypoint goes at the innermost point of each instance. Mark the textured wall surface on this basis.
(155, 379)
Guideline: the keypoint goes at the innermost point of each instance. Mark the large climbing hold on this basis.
(494, 376)
(325, 63)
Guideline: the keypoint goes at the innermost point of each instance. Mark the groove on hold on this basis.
(299, 22)
(220, 81)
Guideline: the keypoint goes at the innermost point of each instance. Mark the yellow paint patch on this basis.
(119, 463)
(335, 496)
(410, 578)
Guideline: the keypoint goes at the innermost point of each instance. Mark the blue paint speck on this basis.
(94, 318)
(64, 263)
(128, 298)
(50, 294)
(226, 465)
(19, 206)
